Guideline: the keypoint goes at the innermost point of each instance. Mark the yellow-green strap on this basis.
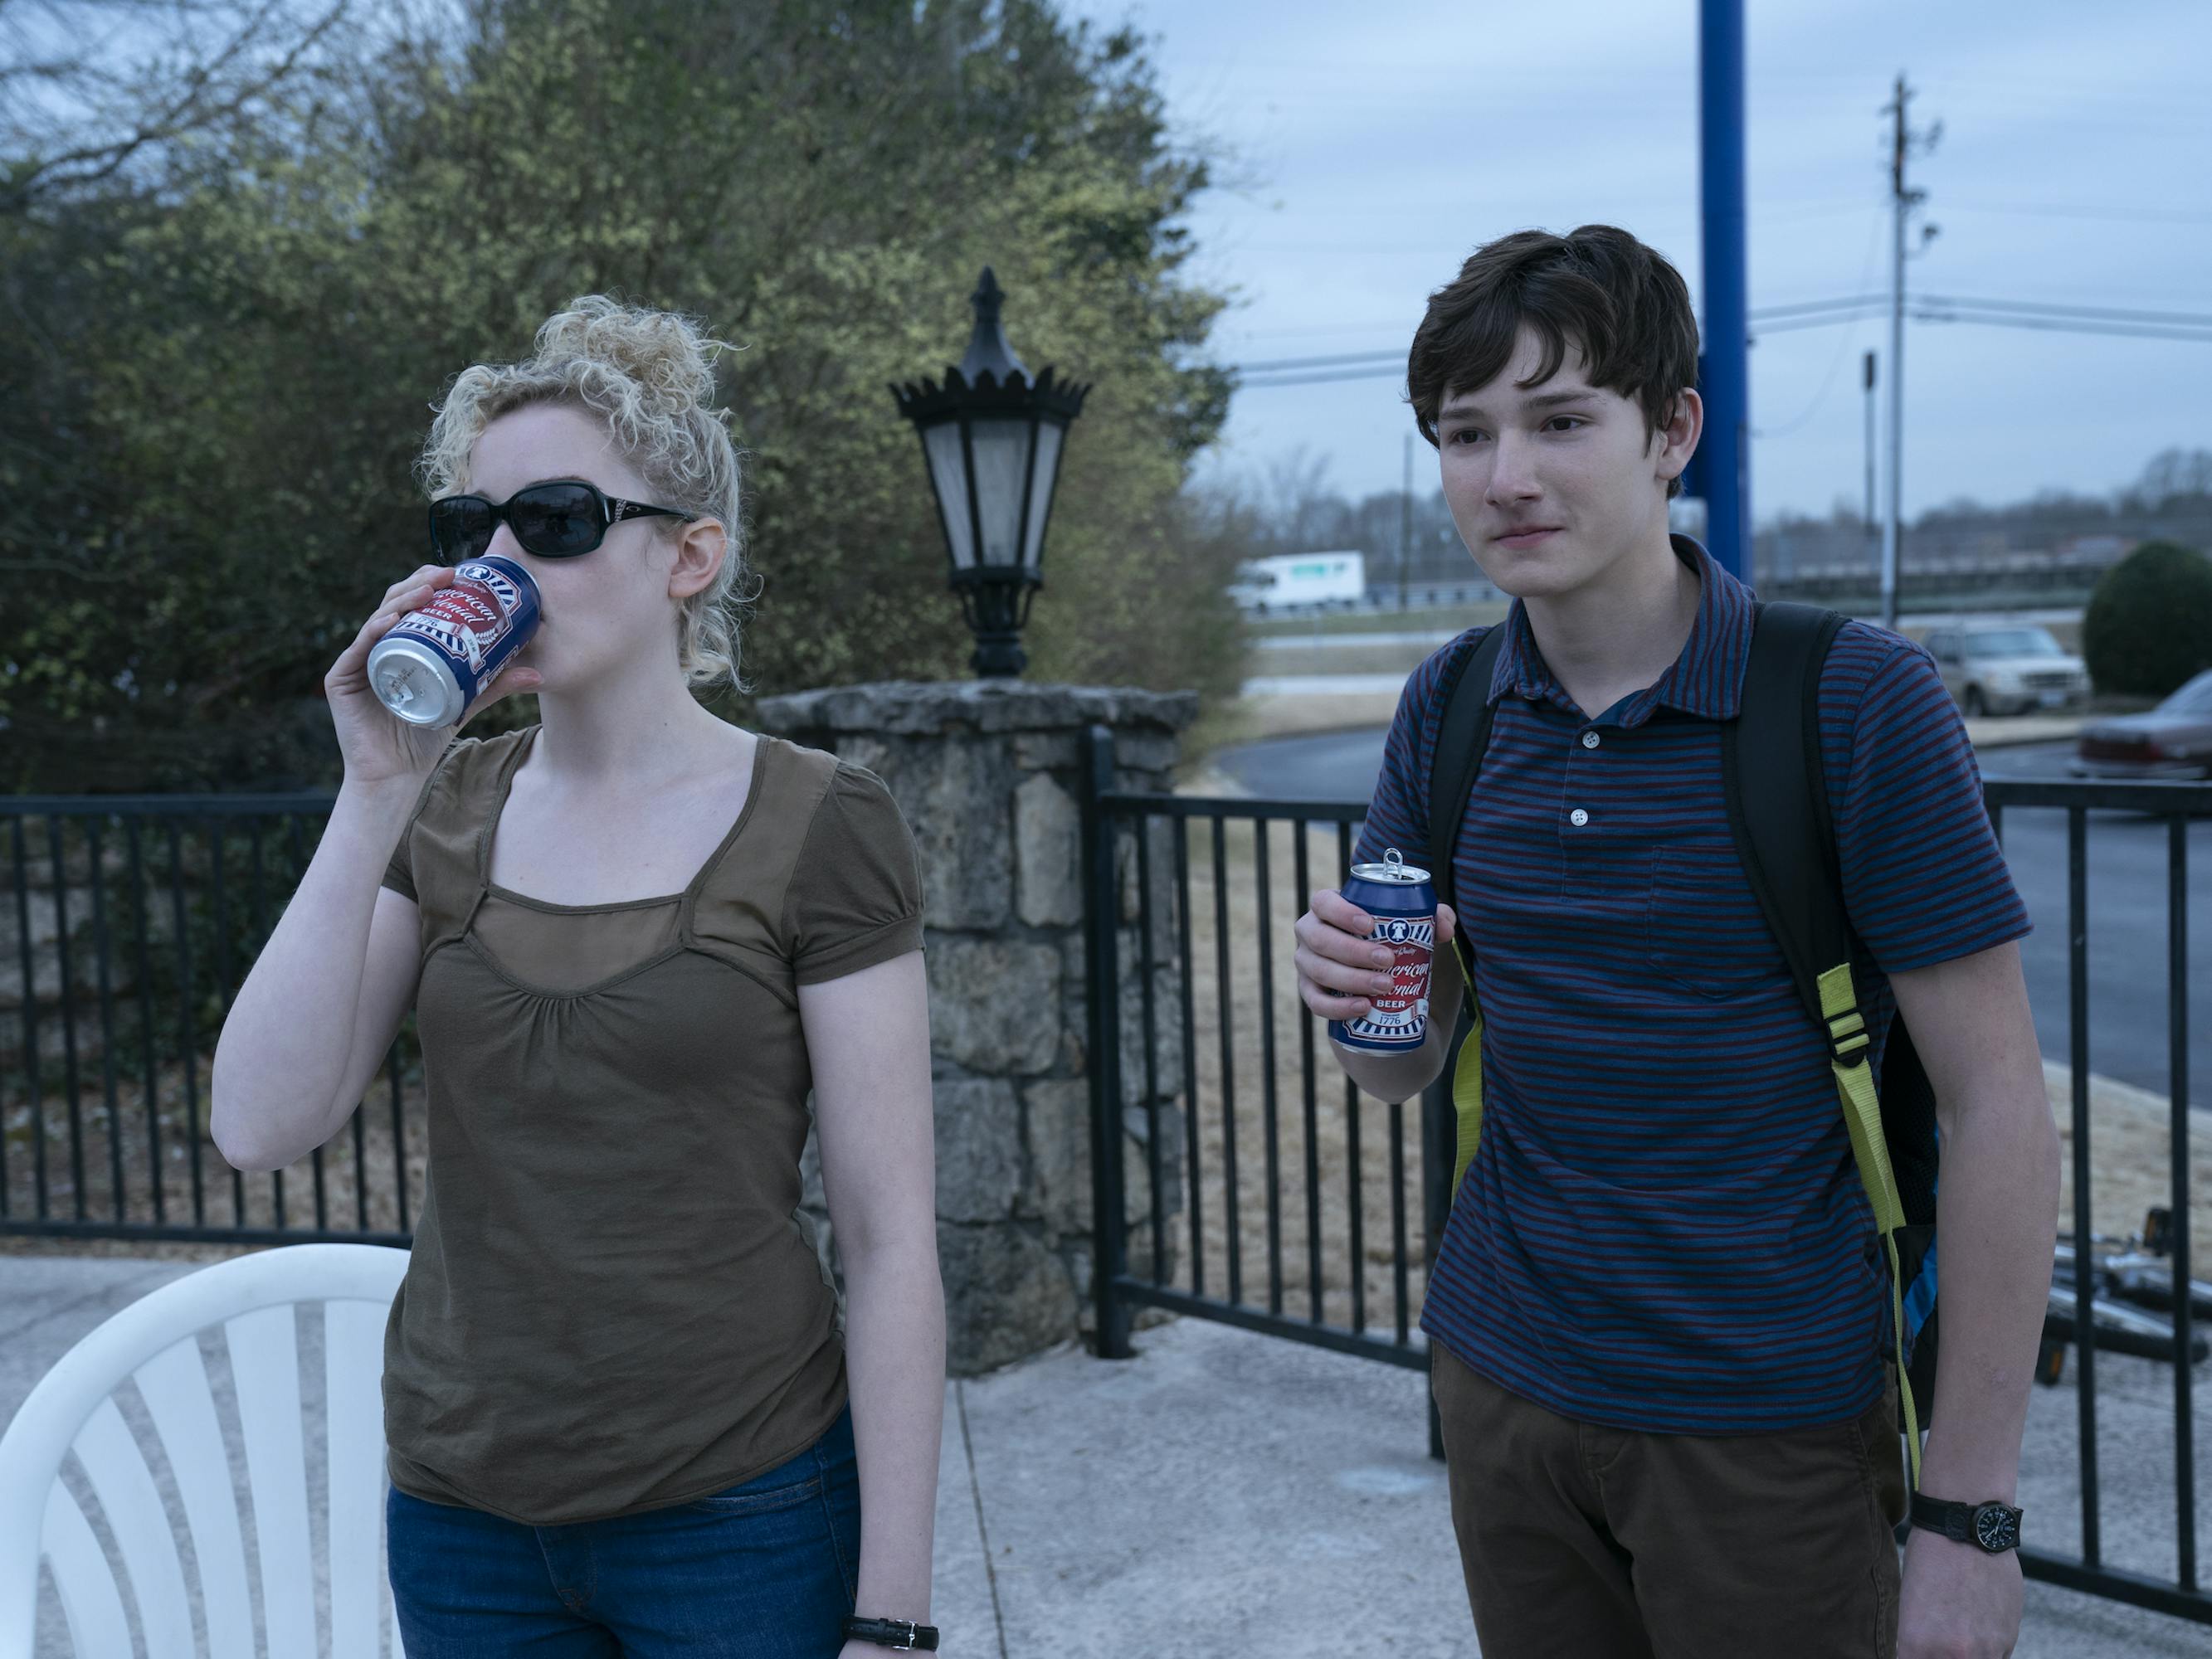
(1850, 1043)
(1903, 1383)
(1467, 1078)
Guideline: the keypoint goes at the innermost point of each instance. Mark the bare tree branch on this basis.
(210, 90)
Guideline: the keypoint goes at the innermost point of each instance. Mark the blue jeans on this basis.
(765, 1570)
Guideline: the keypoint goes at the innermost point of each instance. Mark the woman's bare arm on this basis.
(325, 996)
(867, 1037)
(312, 1020)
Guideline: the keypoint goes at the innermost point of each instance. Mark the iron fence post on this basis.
(1101, 917)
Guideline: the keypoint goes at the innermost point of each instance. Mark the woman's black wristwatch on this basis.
(902, 1633)
(1991, 1527)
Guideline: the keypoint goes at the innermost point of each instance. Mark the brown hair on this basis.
(1597, 288)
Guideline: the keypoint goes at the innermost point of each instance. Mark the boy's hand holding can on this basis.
(1347, 973)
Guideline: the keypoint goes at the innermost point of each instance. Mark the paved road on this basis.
(2126, 935)
(1309, 639)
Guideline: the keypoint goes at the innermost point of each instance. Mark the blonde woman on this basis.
(636, 937)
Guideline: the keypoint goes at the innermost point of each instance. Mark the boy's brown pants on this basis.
(1606, 1543)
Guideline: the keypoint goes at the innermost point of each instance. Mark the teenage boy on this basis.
(1657, 1317)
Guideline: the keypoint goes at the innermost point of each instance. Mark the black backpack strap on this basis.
(1462, 736)
(1785, 836)
(1784, 832)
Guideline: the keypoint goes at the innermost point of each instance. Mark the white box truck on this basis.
(1290, 582)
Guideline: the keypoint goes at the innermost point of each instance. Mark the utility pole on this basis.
(1405, 522)
(1905, 143)
(1866, 520)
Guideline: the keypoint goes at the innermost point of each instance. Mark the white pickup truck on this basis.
(1290, 582)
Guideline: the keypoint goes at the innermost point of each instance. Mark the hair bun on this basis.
(668, 356)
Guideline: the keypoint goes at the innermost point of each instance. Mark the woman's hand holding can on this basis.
(377, 745)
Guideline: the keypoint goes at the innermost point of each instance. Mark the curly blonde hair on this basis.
(649, 376)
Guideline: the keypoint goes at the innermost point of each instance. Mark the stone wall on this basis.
(989, 775)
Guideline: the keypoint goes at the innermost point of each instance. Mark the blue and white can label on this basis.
(1403, 903)
(433, 663)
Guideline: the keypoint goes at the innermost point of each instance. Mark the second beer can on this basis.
(433, 663)
(1403, 905)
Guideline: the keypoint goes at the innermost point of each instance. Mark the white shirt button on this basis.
(1579, 818)
(1589, 740)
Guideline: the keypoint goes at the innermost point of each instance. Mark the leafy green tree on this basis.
(244, 352)
(2148, 627)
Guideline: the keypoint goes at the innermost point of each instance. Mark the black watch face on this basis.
(1997, 1528)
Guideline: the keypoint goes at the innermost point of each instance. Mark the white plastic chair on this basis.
(155, 1340)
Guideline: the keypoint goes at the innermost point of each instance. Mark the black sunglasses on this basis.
(559, 520)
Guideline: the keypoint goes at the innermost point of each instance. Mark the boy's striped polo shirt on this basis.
(1662, 1228)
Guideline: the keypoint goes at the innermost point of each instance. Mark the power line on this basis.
(2041, 307)
(1790, 325)
(1835, 363)
(1299, 364)
(1379, 371)
(2051, 317)
(2064, 325)
(2055, 210)
(1772, 316)
(1806, 306)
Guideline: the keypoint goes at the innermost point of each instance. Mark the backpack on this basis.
(1778, 813)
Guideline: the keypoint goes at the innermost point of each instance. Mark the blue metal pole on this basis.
(1724, 453)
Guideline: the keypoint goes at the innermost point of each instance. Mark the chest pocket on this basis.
(1702, 929)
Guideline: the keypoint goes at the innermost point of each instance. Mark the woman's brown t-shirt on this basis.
(611, 1304)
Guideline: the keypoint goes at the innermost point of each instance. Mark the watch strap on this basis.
(1955, 1521)
(902, 1634)
(1950, 1520)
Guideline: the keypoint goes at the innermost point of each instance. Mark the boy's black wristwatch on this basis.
(1993, 1528)
(901, 1633)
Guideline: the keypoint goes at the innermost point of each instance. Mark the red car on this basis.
(2174, 740)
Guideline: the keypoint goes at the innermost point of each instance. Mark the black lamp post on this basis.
(992, 438)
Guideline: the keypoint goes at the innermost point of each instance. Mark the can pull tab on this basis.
(1395, 859)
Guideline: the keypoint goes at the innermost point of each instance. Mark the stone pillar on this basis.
(989, 775)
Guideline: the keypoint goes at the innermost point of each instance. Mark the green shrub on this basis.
(2149, 622)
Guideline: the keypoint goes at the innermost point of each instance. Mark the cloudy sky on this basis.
(1368, 148)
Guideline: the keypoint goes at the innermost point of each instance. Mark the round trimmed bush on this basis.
(2149, 624)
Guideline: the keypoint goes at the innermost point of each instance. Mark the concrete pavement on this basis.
(1225, 1493)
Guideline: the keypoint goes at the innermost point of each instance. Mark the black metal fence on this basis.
(1309, 1212)
(135, 919)
(1268, 1193)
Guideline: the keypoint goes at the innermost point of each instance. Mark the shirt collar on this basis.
(1706, 680)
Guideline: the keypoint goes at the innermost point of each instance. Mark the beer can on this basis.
(1403, 905)
(430, 667)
